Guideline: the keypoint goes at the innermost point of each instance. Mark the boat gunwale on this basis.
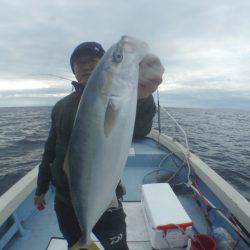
(14, 196)
(228, 195)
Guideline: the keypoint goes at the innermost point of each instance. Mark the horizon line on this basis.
(163, 106)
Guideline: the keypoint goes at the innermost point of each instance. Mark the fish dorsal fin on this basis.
(110, 117)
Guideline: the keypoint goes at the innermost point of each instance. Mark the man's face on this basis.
(84, 66)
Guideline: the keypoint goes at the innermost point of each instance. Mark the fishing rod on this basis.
(158, 111)
(193, 185)
(52, 75)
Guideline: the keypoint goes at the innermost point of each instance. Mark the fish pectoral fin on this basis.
(110, 117)
(66, 165)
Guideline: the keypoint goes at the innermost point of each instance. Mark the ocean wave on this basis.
(219, 138)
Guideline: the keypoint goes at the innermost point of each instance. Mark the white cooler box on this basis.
(164, 214)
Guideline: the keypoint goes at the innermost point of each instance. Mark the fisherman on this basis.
(111, 227)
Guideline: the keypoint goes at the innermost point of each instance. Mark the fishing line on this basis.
(189, 183)
(52, 75)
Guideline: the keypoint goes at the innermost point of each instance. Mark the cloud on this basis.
(15, 85)
(204, 46)
(33, 97)
(205, 99)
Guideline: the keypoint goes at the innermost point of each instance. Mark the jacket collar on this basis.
(78, 87)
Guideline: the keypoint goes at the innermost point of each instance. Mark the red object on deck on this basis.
(203, 242)
(167, 227)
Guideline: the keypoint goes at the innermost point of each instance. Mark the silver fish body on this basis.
(102, 132)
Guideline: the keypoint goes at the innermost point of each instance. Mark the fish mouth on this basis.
(131, 44)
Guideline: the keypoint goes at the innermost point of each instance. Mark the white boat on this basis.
(207, 199)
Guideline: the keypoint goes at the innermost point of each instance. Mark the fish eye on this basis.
(117, 56)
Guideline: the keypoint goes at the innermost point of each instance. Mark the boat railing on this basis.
(174, 128)
(178, 126)
(13, 209)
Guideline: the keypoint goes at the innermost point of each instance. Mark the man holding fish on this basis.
(90, 137)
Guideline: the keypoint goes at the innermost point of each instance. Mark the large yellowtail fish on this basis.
(102, 132)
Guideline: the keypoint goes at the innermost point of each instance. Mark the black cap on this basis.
(86, 48)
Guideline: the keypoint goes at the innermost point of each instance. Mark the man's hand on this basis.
(150, 75)
(39, 201)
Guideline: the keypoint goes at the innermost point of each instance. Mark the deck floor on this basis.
(41, 226)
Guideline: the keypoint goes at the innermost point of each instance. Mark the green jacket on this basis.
(63, 116)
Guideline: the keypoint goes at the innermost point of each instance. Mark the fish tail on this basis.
(80, 246)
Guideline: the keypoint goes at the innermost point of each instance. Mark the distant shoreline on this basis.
(197, 108)
(26, 106)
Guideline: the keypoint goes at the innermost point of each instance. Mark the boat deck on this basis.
(43, 225)
(145, 159)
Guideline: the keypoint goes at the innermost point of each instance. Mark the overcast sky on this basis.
(204, 46)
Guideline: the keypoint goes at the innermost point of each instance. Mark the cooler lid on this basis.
(163, 207)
